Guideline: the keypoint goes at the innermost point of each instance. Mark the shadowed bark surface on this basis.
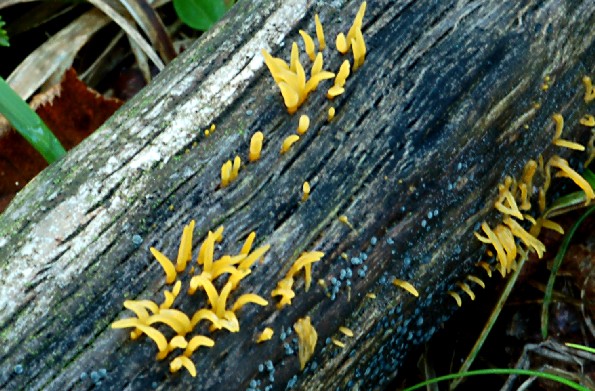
(425, 131)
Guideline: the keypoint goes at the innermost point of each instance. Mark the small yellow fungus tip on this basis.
(305, 191)
(466, 289)
(338, 343)
(346, 221)
(303, 125)
(476, 280)
(589, 89)
(334, 91)
(255, 146)
(407, 286)
(370, 295)
(308, 44)
(226, 173)
(266, 334)
(566, 171)
(288, 142)
(213, 127)
(235, 169)
(587, 120)
(331, 114)
(346, 331)
(558, 141)
(319, 33)
(342, 74)
(457, 297)
(166, 264)
(307, 337)
(182, 361)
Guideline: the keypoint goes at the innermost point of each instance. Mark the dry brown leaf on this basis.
(72, 111)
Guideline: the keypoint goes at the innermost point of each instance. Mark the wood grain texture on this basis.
(426, 130)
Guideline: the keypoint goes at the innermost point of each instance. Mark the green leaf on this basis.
(200, 14)
(28, 124)
(3, 34)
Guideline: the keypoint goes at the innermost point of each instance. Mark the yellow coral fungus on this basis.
(334, 91)
(303, 125)
(485, 266)
(492, 239)
(248, 243)
(566, 171)
(589, 89)
(248, 298)
(476, 280)
(457, 297)
(348, 332)
(559, 120)
(185, 249)
(359, 50)
(529, 240)
(266, 335)
(308, 45)
(338, 343)
(307, 337)
(255, 146)
(343, 42)
(587, 120)
(166, 264)
(331, 114)
(319, 33)
(175, 319)
(196, 342)
(235, 169)
(288, 142)
(182, 361)
(226, 173)
(466, 289)
(284, 289)
(506, 203)
(370, 295)
(342, 74)
(407, 286)
(346, 221)
(151, 332)
(305, 191)
(291, 79)
(171, 296)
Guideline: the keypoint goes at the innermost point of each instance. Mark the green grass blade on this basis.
(491, 321)
(547, 298)
(28, 124)
(580, 347)
(504, 371)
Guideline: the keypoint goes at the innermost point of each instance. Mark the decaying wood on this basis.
(426, 130)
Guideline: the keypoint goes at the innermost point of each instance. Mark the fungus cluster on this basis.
(229, 171)
(149, 314)
(216, 278)
(509, 239)
(307, 337)
(285, 286)
(291, 78)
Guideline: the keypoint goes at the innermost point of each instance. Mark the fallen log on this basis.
(449, 101)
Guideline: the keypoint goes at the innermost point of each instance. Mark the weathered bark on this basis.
(429, 126)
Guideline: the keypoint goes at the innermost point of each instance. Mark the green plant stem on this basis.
(580, 347)
(28, 124)
(503, 371)
(547, 298)
(491, 321)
